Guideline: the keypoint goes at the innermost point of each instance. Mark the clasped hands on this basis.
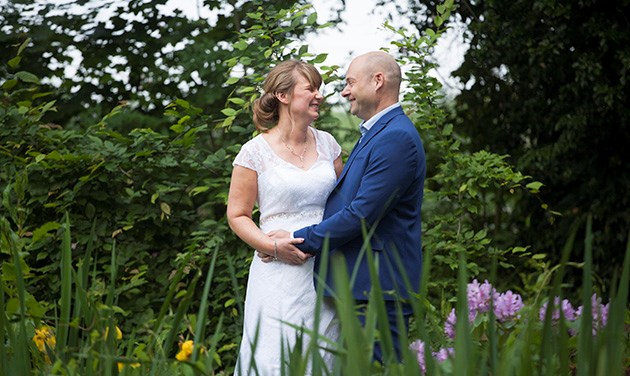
(286, 249)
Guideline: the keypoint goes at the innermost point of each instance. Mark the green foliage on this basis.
(461, 187)
(267, 38)
(546, 84)
(112, 213)
(137, 54)
(146, 205)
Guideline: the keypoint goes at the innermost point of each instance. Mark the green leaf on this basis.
(177, 128)
(295, 22)
(241, 45)
(9, 84)
(40, 95)
(23, 46)
(166, 209)
(15, 62)
(231, 80)
(48, 106)
(319, 59)
(238, 101)
(229, 112)
(228, 121)
(534, 186)
(245, 89)
(43, 230)
(197, 190)
(182, 103)
(27, 77)
(311, 19)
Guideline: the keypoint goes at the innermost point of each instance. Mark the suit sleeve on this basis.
(389, 171)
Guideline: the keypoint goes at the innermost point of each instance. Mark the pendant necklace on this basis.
(301, 156)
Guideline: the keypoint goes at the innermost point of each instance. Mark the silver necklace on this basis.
(301, 156)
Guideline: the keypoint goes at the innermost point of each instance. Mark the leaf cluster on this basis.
(546, 84)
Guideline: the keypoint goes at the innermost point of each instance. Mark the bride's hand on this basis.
(287, 252)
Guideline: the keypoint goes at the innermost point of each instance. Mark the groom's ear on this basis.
(379, 80)
(282, 97)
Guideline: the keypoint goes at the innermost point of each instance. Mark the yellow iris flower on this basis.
(185, 350)
(43, 337)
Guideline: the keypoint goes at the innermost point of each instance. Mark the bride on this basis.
(288, 170)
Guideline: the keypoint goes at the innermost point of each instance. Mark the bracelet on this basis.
(275, 250)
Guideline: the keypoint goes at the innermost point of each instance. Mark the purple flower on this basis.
(479, 296)
(599, 313)
(443, 354)
(449, 325)
(418, 347)
(507, 306)
(567, 311)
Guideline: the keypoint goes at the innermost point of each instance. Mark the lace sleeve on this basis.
(332, 146)
(248, 158)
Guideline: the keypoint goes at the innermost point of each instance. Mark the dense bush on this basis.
(146, 203)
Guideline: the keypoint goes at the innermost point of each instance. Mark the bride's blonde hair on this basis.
(281, 79)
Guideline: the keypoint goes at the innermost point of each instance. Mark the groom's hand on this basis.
(286, 250)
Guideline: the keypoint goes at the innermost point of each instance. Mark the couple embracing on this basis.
(307, 197)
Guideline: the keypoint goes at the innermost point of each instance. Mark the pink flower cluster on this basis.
(506, 305)
(599, 312)
(440, 355)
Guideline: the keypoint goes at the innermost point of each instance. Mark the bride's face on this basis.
(305, 99)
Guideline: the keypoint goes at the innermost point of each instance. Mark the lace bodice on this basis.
(287, 193)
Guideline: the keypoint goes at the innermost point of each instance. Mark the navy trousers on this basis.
(392, 314)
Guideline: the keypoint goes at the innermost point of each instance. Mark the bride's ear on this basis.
(282, 97)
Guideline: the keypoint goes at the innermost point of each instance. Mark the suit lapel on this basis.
(376, 129)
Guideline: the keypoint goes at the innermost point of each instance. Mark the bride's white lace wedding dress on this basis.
(289, 198)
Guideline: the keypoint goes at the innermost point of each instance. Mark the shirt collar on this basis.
(371, 121)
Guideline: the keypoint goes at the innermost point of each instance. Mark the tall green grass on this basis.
(530, 347)
(85, 327)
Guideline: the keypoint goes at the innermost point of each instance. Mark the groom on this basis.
(381, 185)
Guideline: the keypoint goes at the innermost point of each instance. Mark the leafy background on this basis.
(132, 154)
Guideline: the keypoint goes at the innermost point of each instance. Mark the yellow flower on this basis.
(43, 337)
(185, 350)
(118, 333)
(122, 365)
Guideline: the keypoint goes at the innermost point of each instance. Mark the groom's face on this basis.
(359, 90)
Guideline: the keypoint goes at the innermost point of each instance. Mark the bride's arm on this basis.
(338, 164)
(241, 199)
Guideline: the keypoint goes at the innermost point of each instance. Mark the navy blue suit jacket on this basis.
(382, 185)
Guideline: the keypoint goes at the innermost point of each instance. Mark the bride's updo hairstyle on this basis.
(281, 79)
